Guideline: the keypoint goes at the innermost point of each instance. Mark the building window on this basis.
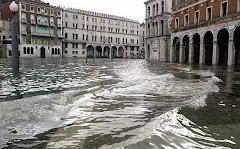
(46, 42)
(32, 40)
(24, 27)
(196, 16)
(24, 15)
(32, 28)
(66, 35)
(224, 9)
(209, 13)
(52, 12)
(46, 11)
(149, 11)
(163, 7)
(39, 41)
(24, 50)
(28, 50)
(31, 50)
(186, 20)
(176, 2)
(39, 10)
(153, 10)
(176, 22)
(23, 7)
(32, 9)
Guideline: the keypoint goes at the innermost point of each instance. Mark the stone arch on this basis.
(237, 44)
(106, 53)
(208, 46)
(176, 49)
(196, 47)
(114, 52)
(99, 52)
(185, 49)
(28, 50)
(42, 55)
(223, 39)
(90, 51)
(31, 50)
(120, 52)
(24, 50)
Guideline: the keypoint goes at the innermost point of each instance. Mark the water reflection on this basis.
(66, 103)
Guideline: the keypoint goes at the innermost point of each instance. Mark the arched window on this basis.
(23, 15)
(149, 11)
(156, 9)
(66, 35)
(24, 50)
(153, 11)
(52, 50)
(28, 50)
(31, 50)
(32, 17)
(149, 31)
(163, 7)
(162, 27)
(56, 51)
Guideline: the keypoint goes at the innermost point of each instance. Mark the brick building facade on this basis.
(205, 32)
(40, 28)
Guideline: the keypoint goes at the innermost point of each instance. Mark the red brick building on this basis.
(40, 28)
(206, 31)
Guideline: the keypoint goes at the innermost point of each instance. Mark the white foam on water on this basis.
(170, 130)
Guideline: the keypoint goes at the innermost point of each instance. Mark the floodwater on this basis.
(125, 104)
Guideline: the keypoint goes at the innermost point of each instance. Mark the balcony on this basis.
(24, 32)
(74, 41)
(60, 36)
(24, 20)
(43, 23)
(40, 34)
(59, 25)
(52, 35)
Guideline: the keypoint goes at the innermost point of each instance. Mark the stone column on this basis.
(103, 51)
(191, 53)
(171, 52)
(215, 58)
(231, 52)
(202, 53)
(117, 52)
(181, 60)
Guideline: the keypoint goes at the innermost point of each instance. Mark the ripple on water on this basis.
(125, 104)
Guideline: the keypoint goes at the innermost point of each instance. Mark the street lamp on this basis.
(15, 56)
